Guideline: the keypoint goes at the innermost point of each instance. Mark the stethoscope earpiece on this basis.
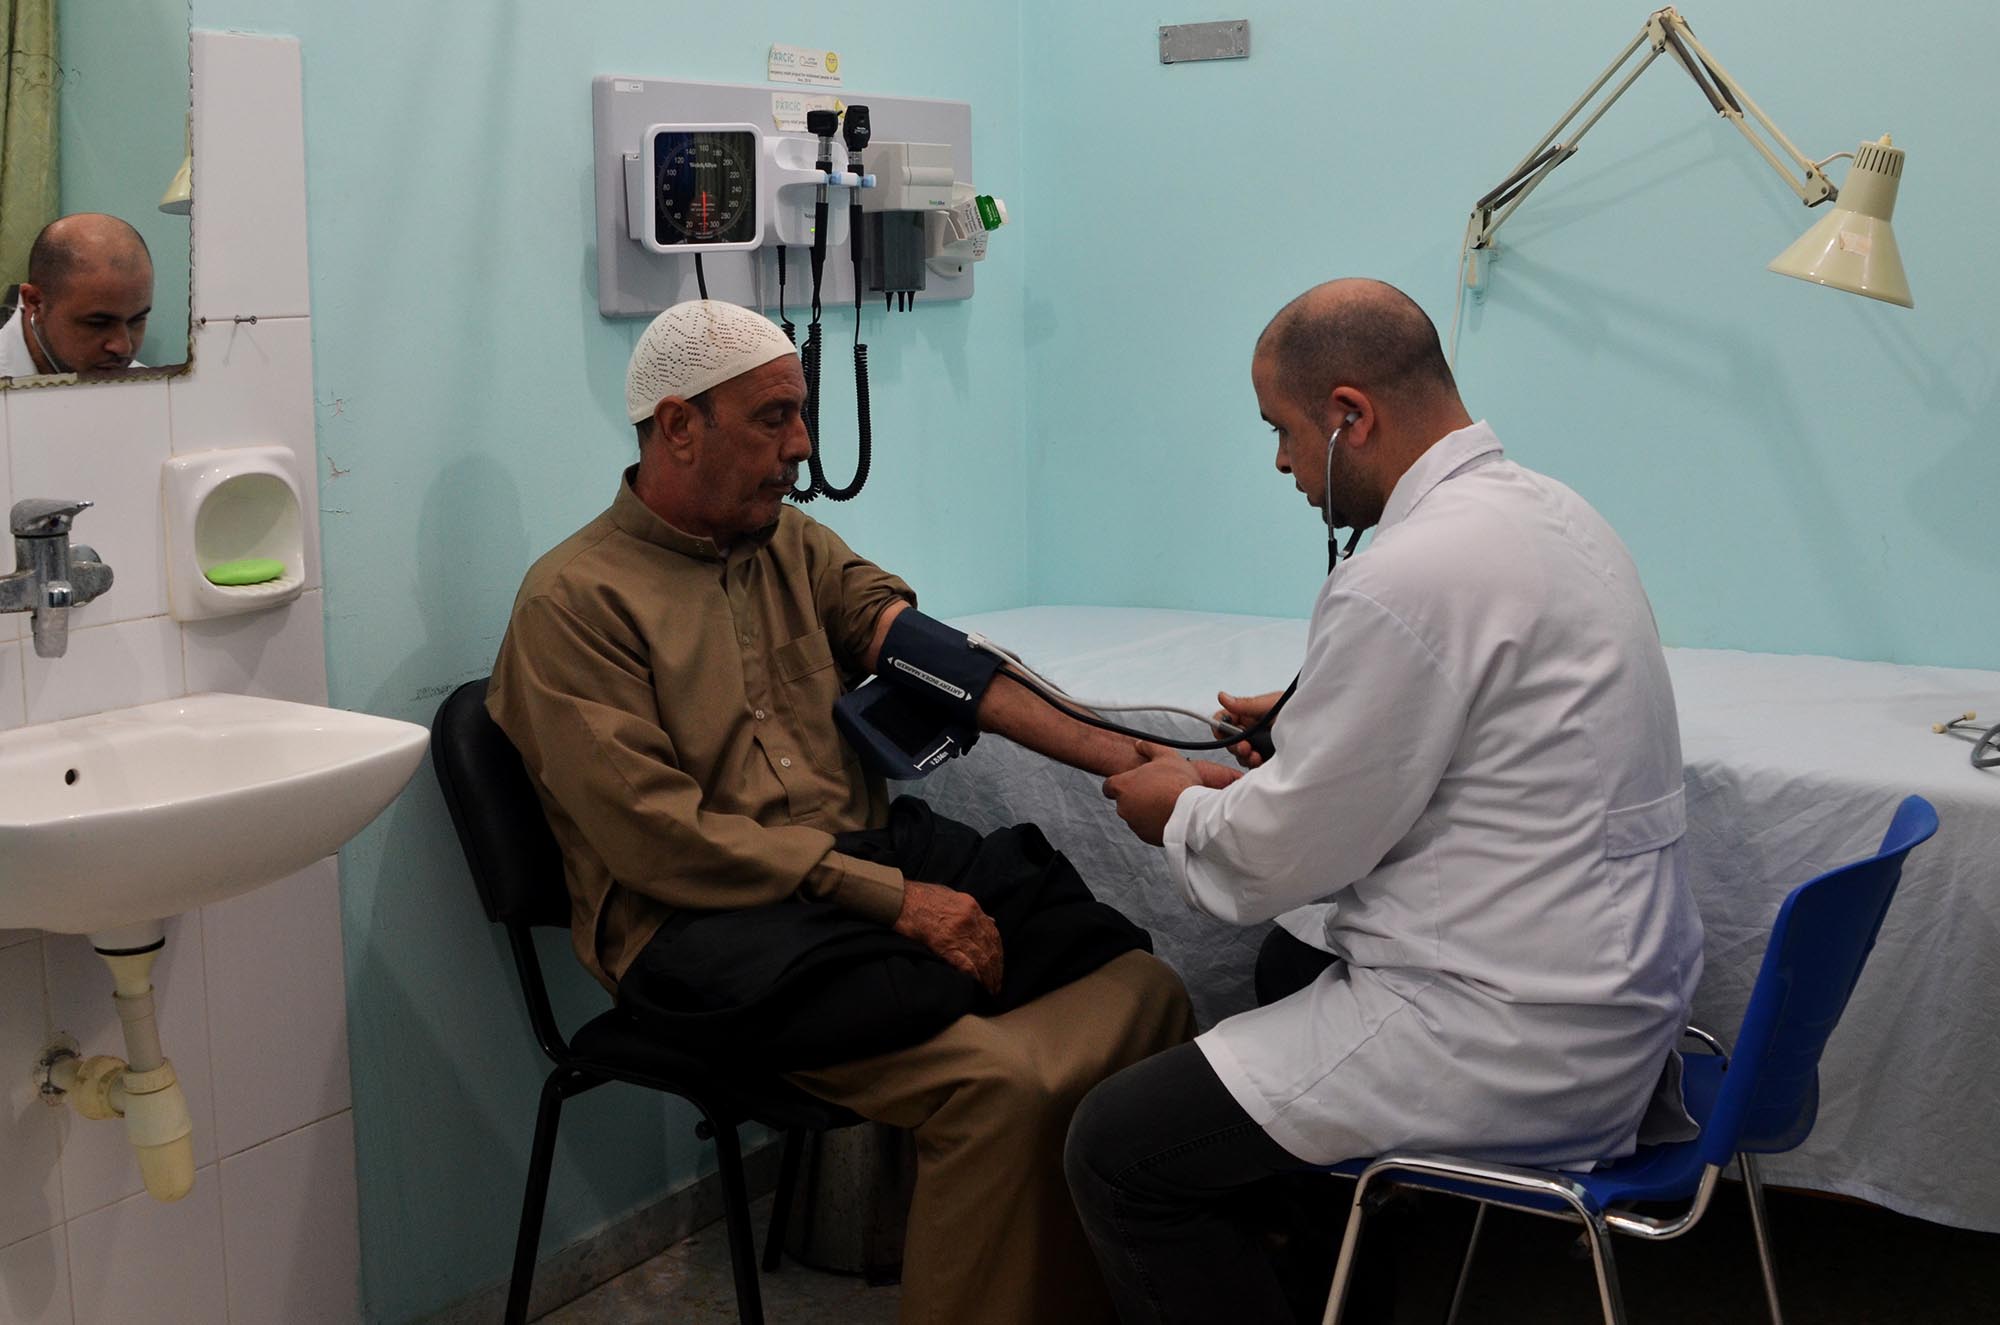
(1334, 556)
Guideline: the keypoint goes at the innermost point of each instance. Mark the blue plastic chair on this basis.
(1762, 1101)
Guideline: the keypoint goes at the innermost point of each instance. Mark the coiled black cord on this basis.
(864, 425)
(811, 356)
(865, 442)
(815, 482)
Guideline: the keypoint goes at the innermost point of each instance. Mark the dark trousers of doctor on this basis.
(1191, 1207)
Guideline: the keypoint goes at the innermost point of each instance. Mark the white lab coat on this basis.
(1482, 770)
(15, 361)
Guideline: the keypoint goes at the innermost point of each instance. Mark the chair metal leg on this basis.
(1465, 1266)
(1760, 1228)
(1601, 1260)
(1336, 1298)
(541, 1158)
(781, 1200)
(736, 1212)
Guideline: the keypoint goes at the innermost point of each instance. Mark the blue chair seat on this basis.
(1651, 1173)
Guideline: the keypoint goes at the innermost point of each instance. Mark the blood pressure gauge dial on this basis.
(704, 187)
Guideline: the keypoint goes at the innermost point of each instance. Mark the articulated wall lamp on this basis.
(1850, 249)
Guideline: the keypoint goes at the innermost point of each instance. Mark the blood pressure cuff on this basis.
(921, 707)
(938, 664)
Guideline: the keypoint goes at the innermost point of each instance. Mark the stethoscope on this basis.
(34, 325)
(1258, 733)
(1333, 557)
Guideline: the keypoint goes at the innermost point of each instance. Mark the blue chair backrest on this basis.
(1770, 1094)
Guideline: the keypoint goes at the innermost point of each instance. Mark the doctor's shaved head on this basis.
(88, 294)
(86, 241)
(1360, 333)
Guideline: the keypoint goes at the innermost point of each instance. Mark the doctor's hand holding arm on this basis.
(1145, 795)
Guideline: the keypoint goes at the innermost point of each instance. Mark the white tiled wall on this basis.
(251, 991)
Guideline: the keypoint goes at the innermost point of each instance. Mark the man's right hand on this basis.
(1245, 711)
(953, 926)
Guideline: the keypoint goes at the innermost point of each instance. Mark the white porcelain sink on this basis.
(138, 814)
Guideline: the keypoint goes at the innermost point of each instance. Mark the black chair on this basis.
(518, 870)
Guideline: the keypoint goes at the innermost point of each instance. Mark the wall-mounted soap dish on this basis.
(224, 509)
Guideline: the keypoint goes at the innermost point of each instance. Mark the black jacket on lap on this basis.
(804, 983)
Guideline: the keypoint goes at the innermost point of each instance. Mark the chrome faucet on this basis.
(51, 575)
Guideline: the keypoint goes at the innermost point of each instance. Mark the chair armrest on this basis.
(1708, 1042)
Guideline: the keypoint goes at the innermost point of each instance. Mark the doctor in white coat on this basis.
(84, 306)
(1478, 779)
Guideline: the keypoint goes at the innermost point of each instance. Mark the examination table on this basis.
(1794, 764)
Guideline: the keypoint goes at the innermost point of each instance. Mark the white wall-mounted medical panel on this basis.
(633, 281)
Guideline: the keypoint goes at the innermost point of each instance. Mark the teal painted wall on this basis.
(470, 416)
(122, 135)
(1796, 470)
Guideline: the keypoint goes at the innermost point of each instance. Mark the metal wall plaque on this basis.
(1181, 43)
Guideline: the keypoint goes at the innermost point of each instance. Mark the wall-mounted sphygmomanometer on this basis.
(692, 188)
(717, 186)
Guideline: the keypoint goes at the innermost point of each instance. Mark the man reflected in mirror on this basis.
(84, 306)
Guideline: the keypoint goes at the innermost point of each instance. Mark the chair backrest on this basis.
(1824, 931)
(515, 862)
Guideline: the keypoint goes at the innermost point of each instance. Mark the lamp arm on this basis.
(1665, 31)
(1581, 102)
(1500, 203)
(1816, 188)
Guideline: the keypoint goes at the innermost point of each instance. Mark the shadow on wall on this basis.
(29, 1286)
(449, 1095)
(1697, 359)
(605, 358)
(1960, 514)
(446, 1070)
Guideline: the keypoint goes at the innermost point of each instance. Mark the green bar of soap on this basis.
(249, 570)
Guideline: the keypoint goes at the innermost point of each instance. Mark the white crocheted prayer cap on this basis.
(692, 347)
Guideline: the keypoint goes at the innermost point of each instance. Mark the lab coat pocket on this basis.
(1637, 829)
(811, 684)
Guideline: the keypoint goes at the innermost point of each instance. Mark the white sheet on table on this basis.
(1794, 765)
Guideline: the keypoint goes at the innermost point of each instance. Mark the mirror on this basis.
(94, 118)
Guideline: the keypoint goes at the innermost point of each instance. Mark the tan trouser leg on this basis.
(992, 1235)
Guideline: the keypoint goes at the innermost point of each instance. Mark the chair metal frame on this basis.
(1568, 1197)
(725, 1098)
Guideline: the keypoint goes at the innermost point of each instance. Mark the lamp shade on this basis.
(179, 197)
(1853, 248)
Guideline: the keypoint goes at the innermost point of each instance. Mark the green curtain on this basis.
(28, 86)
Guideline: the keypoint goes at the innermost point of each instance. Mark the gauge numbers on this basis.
(707, 184)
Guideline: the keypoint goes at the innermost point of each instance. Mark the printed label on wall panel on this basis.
(801, 64)
(788, 109)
